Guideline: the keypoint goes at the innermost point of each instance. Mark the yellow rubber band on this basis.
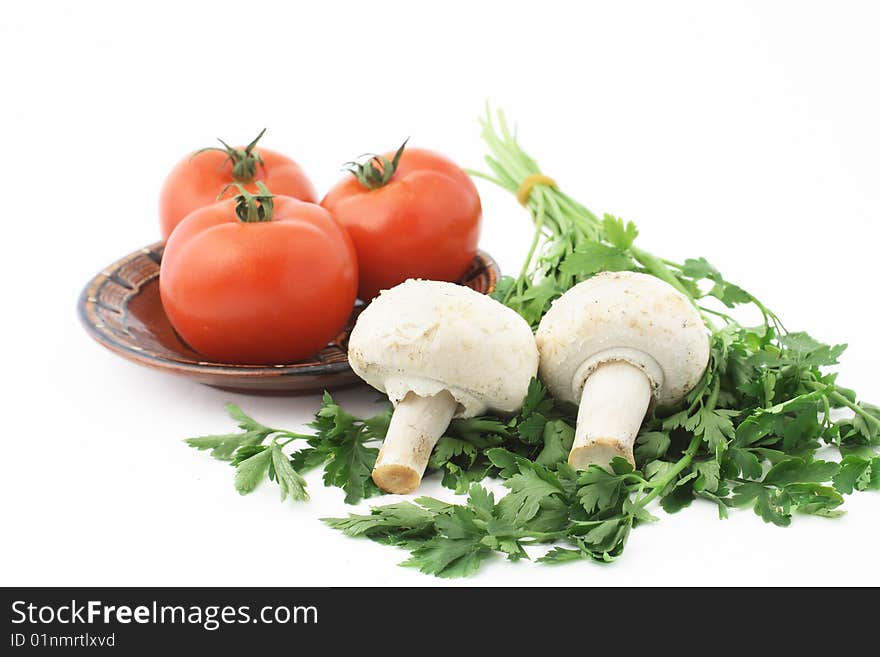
(525, 187)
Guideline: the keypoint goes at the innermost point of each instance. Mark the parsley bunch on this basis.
(748, 436)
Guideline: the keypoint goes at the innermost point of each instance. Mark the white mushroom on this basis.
(439, 351)
(613, 343)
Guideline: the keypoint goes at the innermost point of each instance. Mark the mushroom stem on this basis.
(416, 426)
(613, 405)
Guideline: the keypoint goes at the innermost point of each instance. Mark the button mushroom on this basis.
(438, 350)
(614, 343)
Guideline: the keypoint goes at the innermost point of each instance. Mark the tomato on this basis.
(258, 284)
(199, 179)
(416, 215)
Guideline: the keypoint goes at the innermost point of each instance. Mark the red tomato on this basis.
(414, 216)
(259, 292)
(199, 179)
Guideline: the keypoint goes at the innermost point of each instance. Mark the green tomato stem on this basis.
(253, 208)
(244, 160)
(377, 171)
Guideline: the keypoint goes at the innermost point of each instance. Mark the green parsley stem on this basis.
(539, 226)
(727, 318)
(290, 437)
(713, 396)
(826, 411)
(843, 401)
(655, 266)
(686, 458)
(485, 176)
(539, 537)
(638, 479)
(670, 263)
(676, 469)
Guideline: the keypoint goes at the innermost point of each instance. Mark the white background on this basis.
(743, 132)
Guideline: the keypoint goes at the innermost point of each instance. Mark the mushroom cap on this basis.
(623, 316)
(428, 336)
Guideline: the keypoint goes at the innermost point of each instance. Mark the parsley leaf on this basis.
(745, 462)
(599, 489)
(651, 445)
(592, 257)
(799, 470)
(619, 234)
(395, 523)
(289, 480)
(346, 446)
(558, 438)
(223, 446)
(536, 400)
(251, 470)
(528, 489)
(857, 473)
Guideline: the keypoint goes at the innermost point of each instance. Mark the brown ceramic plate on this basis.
(120, 308)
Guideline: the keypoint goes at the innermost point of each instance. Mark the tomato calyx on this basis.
(376, 171)
(244, 160)
(253, 208)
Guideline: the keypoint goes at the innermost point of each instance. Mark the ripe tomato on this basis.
(416, 215)
(261, 284)
(200, 178)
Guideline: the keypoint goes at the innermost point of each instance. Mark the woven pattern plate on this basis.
(121, 309)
